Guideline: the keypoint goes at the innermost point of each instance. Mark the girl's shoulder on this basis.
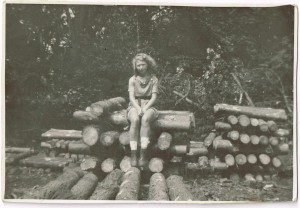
(132, 79)
(154, 78)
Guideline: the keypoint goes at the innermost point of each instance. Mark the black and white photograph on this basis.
(153, 103)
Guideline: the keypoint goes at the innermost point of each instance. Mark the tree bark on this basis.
(104, 107)
(177, 189)
(158, 190)
(119, 118)
(85, 116)
(209, 139)
(84, 188)
(130, 186)
(265, 113)
(178, 149)
(222, 126)
(223, 145)
(78, 147)
(109, 137)
(13, 159)
(109, 187)
(62, 134)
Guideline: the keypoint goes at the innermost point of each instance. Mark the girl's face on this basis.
(141, 67)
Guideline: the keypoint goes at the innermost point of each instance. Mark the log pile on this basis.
(247, 141)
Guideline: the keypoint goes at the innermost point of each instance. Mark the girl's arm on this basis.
(150, 103)
(132, 97)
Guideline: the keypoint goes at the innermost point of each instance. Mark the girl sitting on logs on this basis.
(143, 89)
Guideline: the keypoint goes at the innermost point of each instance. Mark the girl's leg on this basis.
(134, 134)
(147, 118)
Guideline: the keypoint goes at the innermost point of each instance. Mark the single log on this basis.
(229, 160)
(54, 152)
(272, 126)
(244, 138)
(129, 188)
(164, 141)
(156, 165)
(177, 189)
(254, 122)
(174, 120)
(125, 164)
(17, 149)
(108, 165)
(119, 118)
(259, 178)
(233, 135)
(89, 163)
(109, 187)
(266, 113)
(41, 161)
(240, 159)
(263, 126)
(232, 120)
(178, 149)
(158, 190)
(84, 188)
(222, 126)
(62, 134)
(254, 139)
(78, 147)
(103, 107)
(85, 116)
(223, 144)
(91, 134)
(264, 159)
(274, 141)
(263, 140)
(282, 132)
(64, 145)
(46, 145)
(267, 177)
(215, 164)
(209, 139)
(109, 137)
(12, 159)
(251, 159)
(276, 162)
(65, 181)
(124, 138)
(191, 166)
(203, 161)
(282, 148)
(249, 177)
(244, 121)
(197, 151)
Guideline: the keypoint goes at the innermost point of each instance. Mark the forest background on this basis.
(62, 58)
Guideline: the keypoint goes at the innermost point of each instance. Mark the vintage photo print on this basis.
(153, 103)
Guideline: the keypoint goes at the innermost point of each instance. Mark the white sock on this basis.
(133, 145)
(144, 142)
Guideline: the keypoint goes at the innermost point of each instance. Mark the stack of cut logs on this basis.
(247, 141)
(106, 146)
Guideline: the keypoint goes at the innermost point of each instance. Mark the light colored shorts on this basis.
(143, 102)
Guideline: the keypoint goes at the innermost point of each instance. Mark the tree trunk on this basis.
(274, 141)
(198, 151)
(109, 137)
(249, 177)
(254, 122)
(109, 187)
(17, 149)
(221, 126)
(282, 132)
(125, 164)
(119, 118)
(13, 159)
(158, 190)
(263, 126)
(84, 188)
(272, 126)
(104, 107)
(266, 113)
(90, 163)
(178, 149)
(254, 140)
(41, 161)
(129, 189)
(232, 120)
(240, 159)
(259, 178)
(263, 140)
(79, 147)
(223, 145)
(203, 161)
(264, 159)
(156, 165)
(177, 189)
(62, 134)
(217, 165)
(229, 160)
(244, 121)
(251, 159)
(91, 134)
(233, 135)
(164, 141)
(282, 149)
(276, 162)
(124, 138)
(244, 138)
(85, 116)
(209, 139)
(108, 165)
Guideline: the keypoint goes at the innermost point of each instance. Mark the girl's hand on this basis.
(140, 112)
(144, 109)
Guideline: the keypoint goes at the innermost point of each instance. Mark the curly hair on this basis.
(144, 57)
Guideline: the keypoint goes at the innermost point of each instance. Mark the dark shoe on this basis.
(133, 158)
(142, 161)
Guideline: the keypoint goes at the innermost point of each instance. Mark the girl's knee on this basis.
(135, 120)
(146, 120)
